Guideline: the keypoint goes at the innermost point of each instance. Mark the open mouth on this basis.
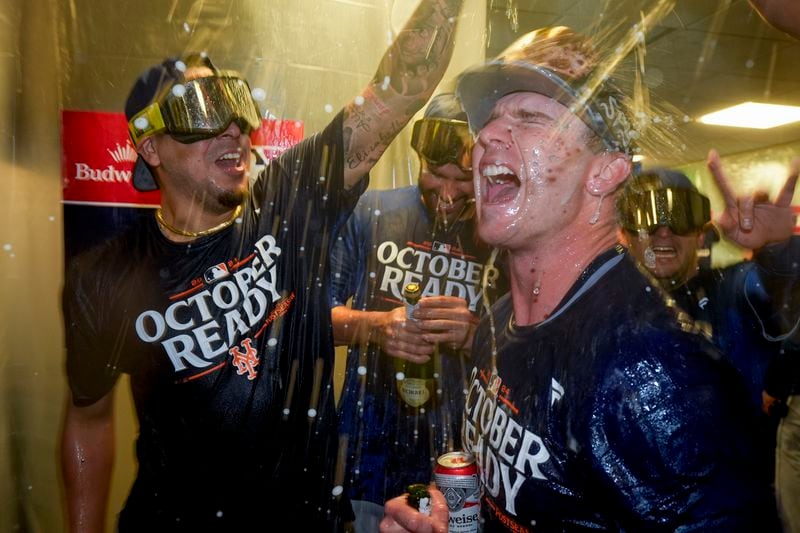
(231, 161)
(501, 184)
(664, 251)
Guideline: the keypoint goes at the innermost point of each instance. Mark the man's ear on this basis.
(147, 149)
(610, 171)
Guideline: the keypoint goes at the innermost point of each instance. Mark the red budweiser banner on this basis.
(796, 211)
(97, 156)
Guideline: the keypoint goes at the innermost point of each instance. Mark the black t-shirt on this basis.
(228, 344)
(612, 414)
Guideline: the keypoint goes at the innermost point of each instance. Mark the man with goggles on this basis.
(217, 305)
(199, 109)
(665, 219)
(423, 233)
(747, 308)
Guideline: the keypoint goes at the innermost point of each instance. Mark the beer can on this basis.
(456, 476)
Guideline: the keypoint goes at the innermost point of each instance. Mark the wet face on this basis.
(447, 191)
(213, 172)
(669, 257)
(530, 164)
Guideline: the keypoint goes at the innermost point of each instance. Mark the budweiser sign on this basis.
(97, 156)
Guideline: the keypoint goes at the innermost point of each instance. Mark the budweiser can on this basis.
(456, 475)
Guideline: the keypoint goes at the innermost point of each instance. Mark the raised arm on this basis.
(87, 455)
(753, 221)
(406, 78)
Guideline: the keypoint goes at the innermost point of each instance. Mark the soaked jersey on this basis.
(750, 308)
(228, 344)
(612, 414)
(390, 241)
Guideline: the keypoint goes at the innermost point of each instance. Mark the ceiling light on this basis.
(753, 115)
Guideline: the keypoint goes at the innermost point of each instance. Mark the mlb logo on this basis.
(440, 247)
(215, 273)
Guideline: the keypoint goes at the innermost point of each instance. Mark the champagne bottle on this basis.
(416, 383)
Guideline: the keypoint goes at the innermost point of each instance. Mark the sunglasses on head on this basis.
(683, 211)
(198, 109)
(440, 141)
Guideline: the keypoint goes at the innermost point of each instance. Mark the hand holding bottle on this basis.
(446, 320)
(399, 517)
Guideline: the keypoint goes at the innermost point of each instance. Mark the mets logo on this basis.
(245, 361)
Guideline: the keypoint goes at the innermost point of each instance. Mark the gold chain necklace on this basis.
(203, 233)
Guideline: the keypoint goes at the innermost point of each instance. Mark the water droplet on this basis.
(377, 212)
(7, 247)
(359, 100)
(219, 514)
(312, 413)
(372, 275)
(337, 490)
(186, 27)
(179, 90)
(302, 248)
(259, 94)
(749, 63)
(141, 123)
(286, 411)
(272, 342)
(180, 66)
(362, 370)
(328, 108)
(385, 84)
(400, 376)
(51, 218)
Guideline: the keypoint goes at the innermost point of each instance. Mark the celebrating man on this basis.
(592, 404)
(217, 305)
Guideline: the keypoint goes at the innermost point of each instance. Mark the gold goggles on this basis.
(198, 109)
(441, 141)
(683, 211)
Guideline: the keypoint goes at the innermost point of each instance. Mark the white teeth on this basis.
(495, 170)
(232, 156)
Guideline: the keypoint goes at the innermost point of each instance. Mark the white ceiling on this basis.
(703, 55)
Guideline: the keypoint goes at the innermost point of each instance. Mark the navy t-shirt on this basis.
(612, 414)
(389, 241)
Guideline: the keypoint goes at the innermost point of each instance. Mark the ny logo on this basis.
(246, 361)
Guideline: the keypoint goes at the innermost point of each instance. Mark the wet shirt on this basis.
(612, 414)
(390, 241)
(750, 308)
(228, 345)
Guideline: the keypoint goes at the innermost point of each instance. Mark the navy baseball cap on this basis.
(560, 64)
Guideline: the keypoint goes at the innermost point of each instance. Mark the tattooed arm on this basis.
(409, 72)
